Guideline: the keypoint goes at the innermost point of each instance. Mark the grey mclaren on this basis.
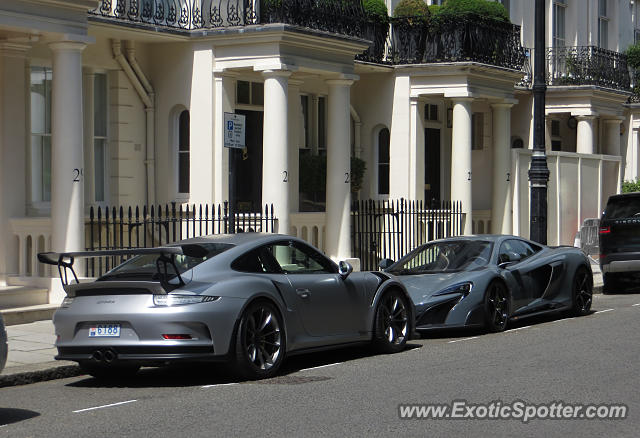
(247, 299)
(487, 280)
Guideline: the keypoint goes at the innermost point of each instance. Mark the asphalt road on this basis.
(588, 360)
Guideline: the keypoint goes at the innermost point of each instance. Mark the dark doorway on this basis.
(432, 167)
(248, 164)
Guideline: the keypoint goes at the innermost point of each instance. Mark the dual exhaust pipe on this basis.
(106, 356)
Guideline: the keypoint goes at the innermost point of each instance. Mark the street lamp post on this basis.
(539, 172)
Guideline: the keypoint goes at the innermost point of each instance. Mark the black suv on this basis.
(620, 240)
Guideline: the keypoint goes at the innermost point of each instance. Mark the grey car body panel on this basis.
(539, 283)
(331, 312)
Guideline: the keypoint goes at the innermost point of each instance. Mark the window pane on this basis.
(38, 100)
(602, 8)
(46, 168)
(243, 93)
(100, 105)
(304, 102)
(383, 179)
(183, 144)
(322, 135)
(383, 146)
(99, 154)
(183, 176)
(257, 93)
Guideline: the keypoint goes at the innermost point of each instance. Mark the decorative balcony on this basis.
(480, 40)
(344, 17)
(582, 65)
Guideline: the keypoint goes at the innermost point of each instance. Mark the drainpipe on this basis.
(145, 91)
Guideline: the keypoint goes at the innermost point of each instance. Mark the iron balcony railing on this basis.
(581, 65)
(342, 17)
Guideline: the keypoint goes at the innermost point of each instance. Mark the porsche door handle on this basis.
(303, 293)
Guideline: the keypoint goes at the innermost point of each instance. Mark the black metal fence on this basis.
(390, 229)
(120, 228)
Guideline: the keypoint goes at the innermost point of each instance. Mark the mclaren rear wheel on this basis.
(259, 342)
(391, 323)
(582, 292)
(496, 307)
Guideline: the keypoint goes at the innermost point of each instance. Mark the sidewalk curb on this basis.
(49, 373)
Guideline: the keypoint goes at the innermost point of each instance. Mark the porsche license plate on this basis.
(104, 331)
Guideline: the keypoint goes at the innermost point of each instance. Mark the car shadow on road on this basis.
(13, 415)
(201, 374)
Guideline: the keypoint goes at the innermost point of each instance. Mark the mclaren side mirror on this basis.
(344, 269)
(385, 263)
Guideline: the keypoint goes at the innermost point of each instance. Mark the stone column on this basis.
(612, 136)
(416, 153)
(89, 152)
(338, 223)
(223, 92)
(295, 124)
(501, 200)
(275, 153)
(584, 141)
(67, 180)
(461, 159)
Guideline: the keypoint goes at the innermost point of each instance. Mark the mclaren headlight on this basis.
(181, 300)
(460, 288)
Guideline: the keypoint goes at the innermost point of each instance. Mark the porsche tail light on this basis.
(173, 337)
(605, 230)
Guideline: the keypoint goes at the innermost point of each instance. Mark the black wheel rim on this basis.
(262, 338)
(498, 306)
(583, 292)
(392, 315)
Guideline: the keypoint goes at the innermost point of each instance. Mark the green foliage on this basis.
(376, 9)
(631, 186)
(412, 9)
(358, 167)
(434, 10)
(479, 8)
(633, 55)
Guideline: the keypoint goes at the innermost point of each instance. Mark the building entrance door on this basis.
(248, 165)
(432, 167)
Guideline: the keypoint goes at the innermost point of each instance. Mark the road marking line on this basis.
(464, 339)
(220, 384)
(605, 310)
(104, 406)
(321, 366)
(562, 319)
(636, 305)
(516, 329)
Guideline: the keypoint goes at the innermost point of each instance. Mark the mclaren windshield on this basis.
(144, 267)
(446, 256)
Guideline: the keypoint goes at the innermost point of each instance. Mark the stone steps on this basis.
(28, 314)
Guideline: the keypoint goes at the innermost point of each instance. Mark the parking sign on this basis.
(234, 130)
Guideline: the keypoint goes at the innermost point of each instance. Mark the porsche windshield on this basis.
(448, 256)
(143, 267)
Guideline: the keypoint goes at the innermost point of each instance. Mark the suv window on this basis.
(618, 208)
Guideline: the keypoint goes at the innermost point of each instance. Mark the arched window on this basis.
(382, 160)
(183, 152)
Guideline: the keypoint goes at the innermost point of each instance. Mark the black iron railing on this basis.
(120, 228)
(376, 31)
(582, 65)
(464, 39)
(390, 229)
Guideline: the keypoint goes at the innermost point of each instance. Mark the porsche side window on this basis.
(294, 260)
(259, 261)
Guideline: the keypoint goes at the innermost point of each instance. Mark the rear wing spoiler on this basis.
(166, 258)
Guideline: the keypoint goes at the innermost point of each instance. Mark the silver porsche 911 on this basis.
(487, 280)
(246, 299)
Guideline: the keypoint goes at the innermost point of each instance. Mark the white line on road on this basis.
(605, 310)
(220, 384)
(516, 329)
(464, 339)
(104, 406)
(636, 305)
(321, 366)
(561, 319)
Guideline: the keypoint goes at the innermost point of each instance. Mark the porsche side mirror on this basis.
(385, 263)
(344, 269)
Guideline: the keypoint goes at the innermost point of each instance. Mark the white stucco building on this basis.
(119, 102)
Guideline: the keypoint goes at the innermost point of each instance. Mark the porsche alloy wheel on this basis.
(259, 341)
(496, 304)
(391, 329)
(582, 292)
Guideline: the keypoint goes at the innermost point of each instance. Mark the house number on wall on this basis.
(76, 174)
(508, 176)
(346, 178)
(469, 176)
(285, 176)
